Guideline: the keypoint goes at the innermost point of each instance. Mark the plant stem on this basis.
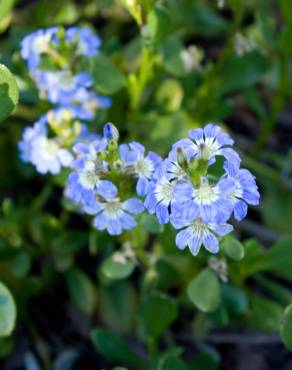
(138, 82)
(278, 103)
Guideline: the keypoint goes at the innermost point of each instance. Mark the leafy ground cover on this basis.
(73, 296)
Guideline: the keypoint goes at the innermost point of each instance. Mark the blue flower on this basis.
(87, 179)
(244, 191)
(160, 196)
(88, 43)
(36, 44)
(116, 216)
(133, 156)
(110, 132)
(46, 154)
(29, 135)
(206, 199)
(90, 103)
(207, 143)
(81, 41)
(197, 231)
(63, 87)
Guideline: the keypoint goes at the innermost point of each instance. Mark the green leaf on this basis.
(234, 299)
(265, 314)
(286, 327)
(279, 258)
(114, 348)
(20, 264)
(8, 92)
(81, 289)
(241, 72)
(169, 95)
(150, 223)
(69, 242)
(232, 247)
(117, 304)
(172, 363)
(171, 51)
(5, 8)
(209, 359)
(204, 291)
(7, 311)
(113, 269)
(159, 23)
(286, 10)
(107, 78)
(157, 313)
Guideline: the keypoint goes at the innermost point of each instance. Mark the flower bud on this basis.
(111, 132)
(181, 157)
(112, 145)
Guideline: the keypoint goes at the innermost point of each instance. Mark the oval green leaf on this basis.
(107, 78)
(81, 289)
(114, 348)
(7, 311)
(113, 269)
(8, 92)
(204, 291)
(233, 248)
(157, 313)
(286, 327)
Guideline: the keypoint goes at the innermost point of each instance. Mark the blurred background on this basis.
(190, 62)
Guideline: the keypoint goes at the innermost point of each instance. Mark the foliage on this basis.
(157, 68)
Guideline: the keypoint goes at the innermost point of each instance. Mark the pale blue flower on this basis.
(86, 41)
(160, 196)
(46, 152)
(110, 132)
(64, 88)
(197, 231)
(207, 198)
(48, 156)
(133, 156)
(29, 136)
(244, 191)
(116, 216)
(82, 41)
(36, 44)
(207, 143)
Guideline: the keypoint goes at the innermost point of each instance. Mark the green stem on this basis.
(152, 347)
(262, 169)
(139, 81)
(278, 103)
(57, 57)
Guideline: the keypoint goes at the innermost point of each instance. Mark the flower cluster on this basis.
(54, 57)
(185, 192)
(197, 188)
(47, 144)
(102, 180)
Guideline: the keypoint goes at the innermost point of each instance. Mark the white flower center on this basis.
(81, 47)
(238, 190)
(176, 171)
(205, 194)
(66, 80)
(48, 148)
(88, 179)
(113, 209)
(207, 149)
(40, 44)
(163, 192)
(144, 167)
